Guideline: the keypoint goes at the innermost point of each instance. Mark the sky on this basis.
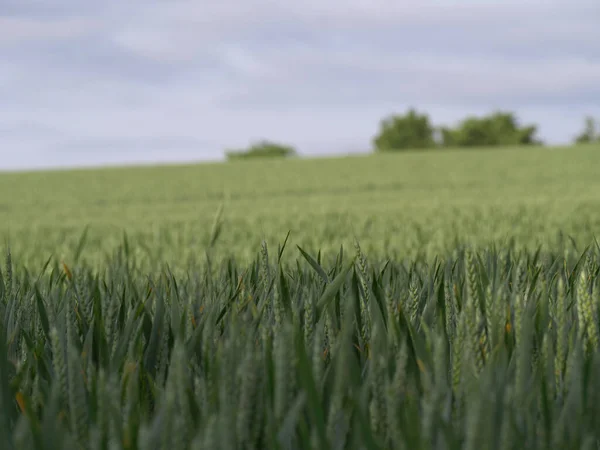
(86, 83)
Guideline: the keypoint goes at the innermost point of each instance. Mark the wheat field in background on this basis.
(406, 205)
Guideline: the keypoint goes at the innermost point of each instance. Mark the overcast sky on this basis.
(87, 82)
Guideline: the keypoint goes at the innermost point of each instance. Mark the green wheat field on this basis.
(434, 300)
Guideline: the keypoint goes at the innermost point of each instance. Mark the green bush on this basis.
(403, 132)
(262, 149)
(414, 131)
(590, 134)
(499, 128)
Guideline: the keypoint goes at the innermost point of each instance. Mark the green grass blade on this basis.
(315, 265)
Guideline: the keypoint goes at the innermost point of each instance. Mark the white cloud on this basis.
(359, 78)
(16, 30)
(194, 76)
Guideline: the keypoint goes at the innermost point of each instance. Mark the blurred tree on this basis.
(498, 128)
(402, 132)
(590, 132)
(262, 149)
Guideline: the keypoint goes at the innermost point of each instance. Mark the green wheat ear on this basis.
(587, 315)
(414, 298)
(59, 363)
(561, 333)
(309, 319)
(458, 352)
(365, 305)
(9, 272)
(472, 278)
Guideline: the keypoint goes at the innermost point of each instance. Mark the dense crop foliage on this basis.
(397, 206)
(483, 349)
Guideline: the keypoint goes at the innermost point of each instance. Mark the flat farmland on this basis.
(400, 205)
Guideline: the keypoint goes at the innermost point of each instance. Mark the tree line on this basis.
(414, 130)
